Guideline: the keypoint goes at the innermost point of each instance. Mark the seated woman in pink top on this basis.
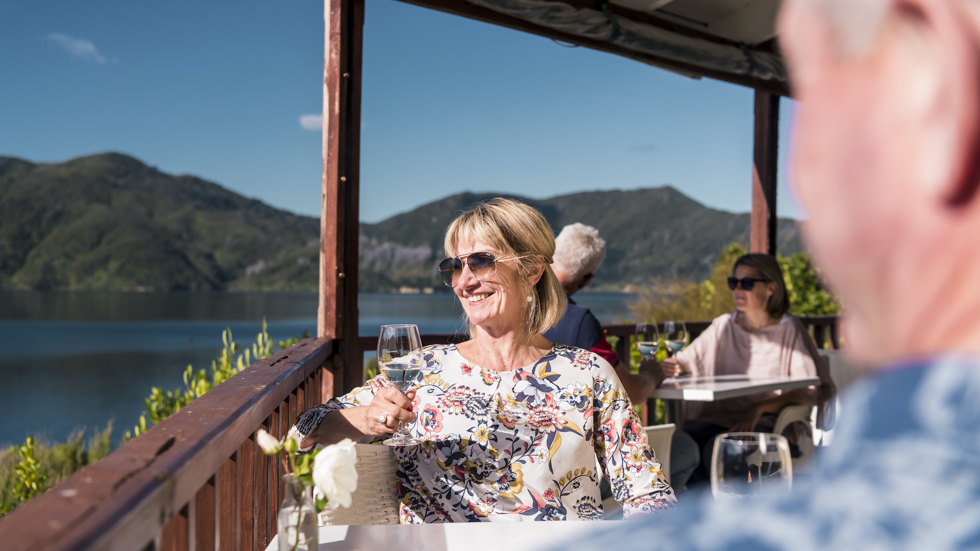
(758, 339)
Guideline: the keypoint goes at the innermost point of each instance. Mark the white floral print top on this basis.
(521, 443)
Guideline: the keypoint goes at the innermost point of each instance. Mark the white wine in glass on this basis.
(675, 337)
(648, 349)
(400, 361)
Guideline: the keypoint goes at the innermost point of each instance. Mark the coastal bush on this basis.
(161, 404)
(30, 469)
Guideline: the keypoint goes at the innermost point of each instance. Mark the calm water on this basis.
(70, 361)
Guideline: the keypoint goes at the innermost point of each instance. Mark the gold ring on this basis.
(383, 419)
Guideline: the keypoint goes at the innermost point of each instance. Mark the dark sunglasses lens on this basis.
(747, 283)
(481, 264)
(449, 269)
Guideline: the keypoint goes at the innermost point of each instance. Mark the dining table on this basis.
(466, 536)
(678, 390)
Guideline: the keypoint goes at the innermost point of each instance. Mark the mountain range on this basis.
(110, 222)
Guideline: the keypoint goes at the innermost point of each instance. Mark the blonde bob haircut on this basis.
(517, 230)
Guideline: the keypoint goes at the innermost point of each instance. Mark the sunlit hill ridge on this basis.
(110, 222)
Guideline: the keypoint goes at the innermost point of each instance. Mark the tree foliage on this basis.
(661, 301)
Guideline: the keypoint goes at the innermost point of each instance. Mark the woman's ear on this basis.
(535, 272)
(535, 275)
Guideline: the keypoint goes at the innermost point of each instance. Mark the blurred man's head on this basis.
(886, 165)
(578, 253)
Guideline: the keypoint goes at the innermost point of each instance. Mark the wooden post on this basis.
(337, 313)
(764, 167)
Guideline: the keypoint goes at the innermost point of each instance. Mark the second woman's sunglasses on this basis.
(747, 282)
(482, 265)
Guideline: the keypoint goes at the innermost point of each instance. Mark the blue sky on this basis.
(218, 89)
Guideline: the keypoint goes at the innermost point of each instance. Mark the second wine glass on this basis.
(675, 337)
(400, 361)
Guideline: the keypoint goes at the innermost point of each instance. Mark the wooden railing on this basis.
(822, 328)
(195, 481)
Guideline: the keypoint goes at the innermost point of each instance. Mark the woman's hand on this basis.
(671, 368)
(748, 422)
(391, 406)
(357, 422)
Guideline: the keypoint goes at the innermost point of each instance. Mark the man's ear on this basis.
(944, 35)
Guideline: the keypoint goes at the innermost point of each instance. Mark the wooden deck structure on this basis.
(197, 481)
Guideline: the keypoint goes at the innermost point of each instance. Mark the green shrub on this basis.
(161, 404)
(35, 466)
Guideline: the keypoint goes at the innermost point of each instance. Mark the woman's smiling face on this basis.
(496, 304)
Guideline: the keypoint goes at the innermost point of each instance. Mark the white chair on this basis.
(843, 373)
(375, 501)
(658, 439)
(804, 435)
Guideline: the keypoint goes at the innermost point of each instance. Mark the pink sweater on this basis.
(726, 348)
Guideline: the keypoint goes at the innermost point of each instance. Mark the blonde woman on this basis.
(512, 425)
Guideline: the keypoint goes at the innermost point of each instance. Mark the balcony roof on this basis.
(729, 40)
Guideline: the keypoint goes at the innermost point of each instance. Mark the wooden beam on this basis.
(764, 167)
(337, 313)
(465, 9)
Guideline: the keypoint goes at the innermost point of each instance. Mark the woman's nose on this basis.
(466, 277)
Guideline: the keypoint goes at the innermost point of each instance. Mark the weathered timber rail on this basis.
(822, 328)
(194, 481)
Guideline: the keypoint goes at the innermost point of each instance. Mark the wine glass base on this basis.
(401, 441)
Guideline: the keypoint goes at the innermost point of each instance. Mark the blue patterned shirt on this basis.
(903, 473)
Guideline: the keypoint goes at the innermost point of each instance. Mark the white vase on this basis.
(297, 517)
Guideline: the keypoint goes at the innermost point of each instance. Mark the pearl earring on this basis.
(529, 298)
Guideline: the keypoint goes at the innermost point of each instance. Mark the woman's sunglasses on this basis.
(482, 265)
(747, 282)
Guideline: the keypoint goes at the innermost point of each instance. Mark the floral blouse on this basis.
(522, 443)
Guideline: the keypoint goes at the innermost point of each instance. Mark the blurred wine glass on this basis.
(675, 337)
(744, 464)
(648, 348)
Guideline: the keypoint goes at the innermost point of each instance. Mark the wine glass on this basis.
(745, 464)
(675, 337)
(648, 349)
(400, 361)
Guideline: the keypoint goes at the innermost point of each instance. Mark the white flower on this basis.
(334, 472)
(294, 434)
(267, 442)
